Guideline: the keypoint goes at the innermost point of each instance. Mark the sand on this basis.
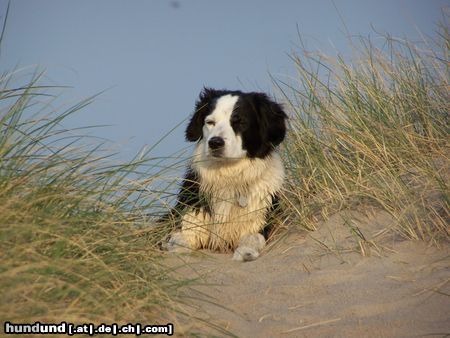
(325, 284)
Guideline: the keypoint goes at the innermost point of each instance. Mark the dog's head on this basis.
(233, 125)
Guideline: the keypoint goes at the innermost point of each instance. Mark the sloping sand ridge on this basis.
(318, 285)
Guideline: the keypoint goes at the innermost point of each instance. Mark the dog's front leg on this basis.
(249, 247)
(192, 236)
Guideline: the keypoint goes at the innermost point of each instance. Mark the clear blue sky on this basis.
(155, 55)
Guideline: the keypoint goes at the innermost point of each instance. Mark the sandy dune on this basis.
(318, 285)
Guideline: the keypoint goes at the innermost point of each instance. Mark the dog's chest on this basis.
(238, 198)
(228, 204)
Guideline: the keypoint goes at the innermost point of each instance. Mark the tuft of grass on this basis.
(372, 130)
(78, 241)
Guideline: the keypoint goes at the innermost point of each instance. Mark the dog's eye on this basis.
(238, 122)
(210, 123)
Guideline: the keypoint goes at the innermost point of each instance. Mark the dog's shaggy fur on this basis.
(233, 180)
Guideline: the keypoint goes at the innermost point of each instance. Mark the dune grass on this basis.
(76, 241)
(371, 130)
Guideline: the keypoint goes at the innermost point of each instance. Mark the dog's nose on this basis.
(216, 142)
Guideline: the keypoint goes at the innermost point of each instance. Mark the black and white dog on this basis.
(235, 175)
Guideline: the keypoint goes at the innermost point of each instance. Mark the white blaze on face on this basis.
(217, 124)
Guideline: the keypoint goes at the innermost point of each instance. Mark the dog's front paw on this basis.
(177, 243)
(245, 254)
(249, 247)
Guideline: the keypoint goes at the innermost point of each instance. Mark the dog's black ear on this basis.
(202, 108)
(271, 118)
